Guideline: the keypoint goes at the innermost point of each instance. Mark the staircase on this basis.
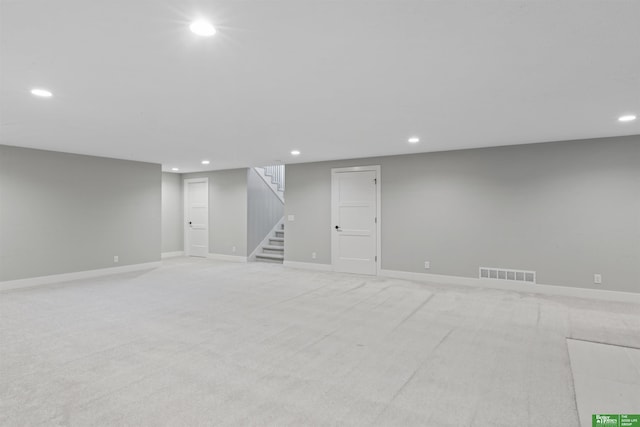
(274, 177)
(272, 247)
(274, 250)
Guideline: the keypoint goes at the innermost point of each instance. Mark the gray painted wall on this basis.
(172, 213)
(264, 209)
(62, 213)
(565, 209)
(227, 210)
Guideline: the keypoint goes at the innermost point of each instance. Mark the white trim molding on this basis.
(224, 257)
(65, 277)
(515, 286)
(174, 254)
(308, 265)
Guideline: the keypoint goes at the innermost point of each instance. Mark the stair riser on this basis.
(274, 251)
(278, 250)
(274, 261)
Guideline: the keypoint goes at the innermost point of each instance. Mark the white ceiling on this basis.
(334, 79)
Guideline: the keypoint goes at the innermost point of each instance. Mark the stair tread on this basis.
(273, 247)
(270, 256)
(277, 239)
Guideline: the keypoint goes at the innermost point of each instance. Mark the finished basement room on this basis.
(320, 213)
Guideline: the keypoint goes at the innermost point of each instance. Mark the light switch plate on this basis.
(291, 217)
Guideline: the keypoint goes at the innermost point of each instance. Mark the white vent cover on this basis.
(507, 274)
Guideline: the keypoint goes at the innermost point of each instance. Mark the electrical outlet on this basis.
(115, 258)
(313, 255)
(597, 279)
(233, 249)
(427, 265)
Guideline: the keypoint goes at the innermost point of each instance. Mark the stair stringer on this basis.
(265, 241)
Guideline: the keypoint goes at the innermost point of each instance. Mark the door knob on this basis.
(338, 228)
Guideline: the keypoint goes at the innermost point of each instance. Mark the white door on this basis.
(354, 213)
(196, 215)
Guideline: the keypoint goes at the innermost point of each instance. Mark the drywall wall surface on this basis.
(567, 210)
(264, 209)
(227, 210)
(63, 213)
(172, 213)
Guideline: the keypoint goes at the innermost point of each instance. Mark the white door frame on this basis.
(375, 168)
(185, 200)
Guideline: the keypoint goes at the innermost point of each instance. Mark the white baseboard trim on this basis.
(511, 285)
(308, 265)
(171, 254)
(65, 277)
(230, 258)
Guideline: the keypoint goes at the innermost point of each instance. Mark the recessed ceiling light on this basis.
(295, 153)
(42, 93)
(202, 28)
(627, 118)
(175, 169)
(413, 140)
(205, 162)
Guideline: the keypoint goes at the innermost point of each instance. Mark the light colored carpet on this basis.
(606, 379)
(200, 342)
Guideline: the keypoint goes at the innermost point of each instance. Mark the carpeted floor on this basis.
(201, 342)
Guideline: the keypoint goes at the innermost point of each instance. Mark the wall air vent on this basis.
(507, 274)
